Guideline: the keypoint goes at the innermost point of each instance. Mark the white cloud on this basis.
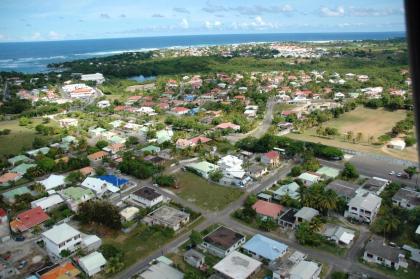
(36, 36)
(181, 10)
(339, 11)
(105, 16)
(213, 24)
(2, 37)
(184, 23)
(54, 35)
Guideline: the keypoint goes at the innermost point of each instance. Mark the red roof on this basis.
(200, 139)
(2, 212)
(269, 209)
(180, 109)
(135, 98)
(272, 154)
(29, 219)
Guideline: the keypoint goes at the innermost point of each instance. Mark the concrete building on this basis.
(376, 251)
(161, 270)
(194, 258)
(147, 196)
(203, 168)
(47, 203)
(305, 214)
(168, 217)
(237, 266)
(406, 198)
(309, 179)
(61, 237)
(363, 207)
(92, 263)
(344, 189)
(222, 241)
(264, 248)
(76, 195)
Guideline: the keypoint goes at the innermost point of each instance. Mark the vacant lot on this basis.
(206, 195)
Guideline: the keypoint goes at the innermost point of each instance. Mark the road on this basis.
(348, 263)
(262, 127)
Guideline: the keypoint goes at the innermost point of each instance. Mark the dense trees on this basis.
(165, 180)
(100, 212)
(137, 167)
(349, 172)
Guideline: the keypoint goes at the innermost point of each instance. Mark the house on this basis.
(180, 110)
(183, 143)
(97, 77)
(339, 234)
(398, 144)
(150, 149)
(91, 243)
(328, 172)
(267, 209)
(65, 270)
(406, 198)
(147, 196)
(116, 181)
(237, 266)
(129, 213)
(265, 248)
(374, 185)
(113, 148)
(291, 190)
(339, 96)
(9, 177)
(305, 214)
(164, 136)
(97, 156)
(28, 219)
(202, 168)
(47, 203)
(305, 270)
(22, 168)
(309, 178)
(414, 253)
(222, 241)
(344, 189)
(103, 104)
(99, 186)
(18, 159)
(228, 125)
(96, 132)
(271, 158)
(53, 181)
(10, 195)
(92, 263)
(87, 171)
(76, 195)
(288, 219)
(68, 122)
(36, 152)
(161, 270)
(376, 251)
(168, 217)
(199, 140)
(256, 171)
(363, 207)
(233, 173)
(61, 237)
(194, 258)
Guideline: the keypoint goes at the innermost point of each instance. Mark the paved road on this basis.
(348, 263)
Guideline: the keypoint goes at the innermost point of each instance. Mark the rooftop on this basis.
(328, 172)
(223, 238)
(267, 208)
(237, 266)
(147, 193)
(168, 215)
(366, 201)
(63, 271)
(265, 247)
(306, 213)
(411, 196)
(377, 246)
(343, 188)
(60, 233)
(161, 271)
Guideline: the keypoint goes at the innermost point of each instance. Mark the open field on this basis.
(369, 122)
(20, 136)
(206, 195)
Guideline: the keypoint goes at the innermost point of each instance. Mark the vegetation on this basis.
(100, 212)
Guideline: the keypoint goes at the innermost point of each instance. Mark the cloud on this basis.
(366, 12)
(54, 35)
(325, 11)
(213, 24)
(250, 10)
(158, 15)
(36, 36)
(105, 16)
(181, 10)
(2, 37)
(256, 23)
(184, 23)
(123, 16)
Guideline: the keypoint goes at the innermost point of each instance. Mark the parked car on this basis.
(22, 264)
(19, 238)
(391, 172)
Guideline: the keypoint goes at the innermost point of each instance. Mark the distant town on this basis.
(271, 160)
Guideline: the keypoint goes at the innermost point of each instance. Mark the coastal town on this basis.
(299, 171)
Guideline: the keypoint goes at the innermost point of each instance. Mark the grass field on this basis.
(369, 122)
(206, 195)
(19, 137)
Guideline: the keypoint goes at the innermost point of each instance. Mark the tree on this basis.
(101, 144)
(46, 164)
(267, 224)
(305, 235)
(100, 212)
(24, 121)
(65, 253)
(196, 237)
(411, 171)
(74, 177)
(165, 180)
(359, 136)
(328, 200)
(216, 175)
(39, 188)
(349, 172)
(339, 275)
(39, 142)
(296, 171)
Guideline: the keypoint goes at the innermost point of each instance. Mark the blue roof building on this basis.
(114, 180)
(265, 248)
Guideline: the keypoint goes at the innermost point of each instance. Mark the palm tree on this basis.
(303, 194)
(328, 200)
(349, 135)
(390, 224)
(315, 224)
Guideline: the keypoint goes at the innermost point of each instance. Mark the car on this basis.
(19, 238)
(22, 264)
(399, 174)
(391, 172)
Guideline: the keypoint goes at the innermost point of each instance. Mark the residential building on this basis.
(9, 177)
(168, 217)
(398, 144)
(406, 198)
(237, 266)
(271, 158)
(376, 251)
(344, 189)
(257, 170)
(65, 270)
(374, 185)
(309, 178)
(150, 149)
(291, 190)
(61, 237)
(233, 173)
(91, 243)
(9, 196)
(22, 168)
(92, 263)
(339, 234)
(129, 213)
(97, 77)
(194, 258)
(76, 195)
(53, 181)
(18, 159)
(228, 125)
(99, 186)
(147, 196)
(47, 203)
(267, 209)
(97, 156)
(103, 104)
(328, 172)
(305, 214)
(222, 241)
(68, 122)
(288, 220)
(265, 248)
(202, 168)
(161, 270)
(28, 219)
(305, 270)
(363, 207)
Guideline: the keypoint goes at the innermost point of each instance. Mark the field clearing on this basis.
(369, 122)
(19, 138)
(204, 194)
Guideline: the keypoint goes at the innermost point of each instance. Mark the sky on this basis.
(45, 20)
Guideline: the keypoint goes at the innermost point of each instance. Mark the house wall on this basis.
(55, 249)
(146, 202)
(378, 260)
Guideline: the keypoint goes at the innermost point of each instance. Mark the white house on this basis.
(306, 270)
(376, 251)
(103, 104)
(61, 237)
(98, 78)
(233, 173)
(47, 203)
(363, 207)
(53, 181)
(309, 178)
(92, 263)
(339, 96)
(147, 196)
(398, 144)
(99, 186)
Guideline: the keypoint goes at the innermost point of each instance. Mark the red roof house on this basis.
(271, 158)
(268, 209)
(29, 219)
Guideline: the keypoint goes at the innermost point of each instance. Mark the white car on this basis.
(391, 172)
(399, 174)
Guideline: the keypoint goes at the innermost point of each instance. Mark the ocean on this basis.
(32, 57)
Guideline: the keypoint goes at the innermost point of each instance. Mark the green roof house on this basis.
(76, 195)
(328, 172)
(164, 135)
(18, 159)
(203, 168)
(10, 195)
(22, 168)
(35, 152)
(151, 149)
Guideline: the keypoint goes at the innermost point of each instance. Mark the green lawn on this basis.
(409, 273)
(206, 195)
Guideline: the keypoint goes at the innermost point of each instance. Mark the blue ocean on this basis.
(31, 57)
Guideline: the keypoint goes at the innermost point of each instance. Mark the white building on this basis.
(376, 251)
(92, 263)
(129, 213)
(98, 78)
(99, 186)
(233, 173)
(363, 207)
(398, 144)
(147, 196)
(237, 266)
(68, 122)
(53, 181)
(103, 104)
(306, 270)
(47, 203)
(61, 237)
